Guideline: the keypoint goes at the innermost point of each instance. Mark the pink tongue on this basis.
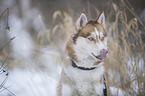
(103, 53)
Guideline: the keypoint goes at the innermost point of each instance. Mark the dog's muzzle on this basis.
(103, 54)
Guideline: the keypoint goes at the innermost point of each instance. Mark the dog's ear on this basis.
(101, 19)
(82, 21)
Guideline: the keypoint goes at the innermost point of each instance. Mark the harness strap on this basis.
(104, 88)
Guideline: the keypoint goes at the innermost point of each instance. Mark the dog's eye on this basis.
(102, 38)
(91, 39)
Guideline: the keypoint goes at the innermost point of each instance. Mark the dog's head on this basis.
(89, 40)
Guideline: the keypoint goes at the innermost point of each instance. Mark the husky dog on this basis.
(83, 70)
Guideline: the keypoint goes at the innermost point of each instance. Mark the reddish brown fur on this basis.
(85, 32)
(70, 50)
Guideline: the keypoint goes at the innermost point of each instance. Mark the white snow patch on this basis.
(30, 83)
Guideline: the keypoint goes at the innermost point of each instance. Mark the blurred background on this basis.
(33, 34)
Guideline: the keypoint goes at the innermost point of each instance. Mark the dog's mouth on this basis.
(103, 54)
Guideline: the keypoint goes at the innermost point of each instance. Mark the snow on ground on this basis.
(23, 82)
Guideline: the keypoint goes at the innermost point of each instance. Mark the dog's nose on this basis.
(104, 53)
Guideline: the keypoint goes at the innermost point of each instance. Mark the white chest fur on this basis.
(87, 82)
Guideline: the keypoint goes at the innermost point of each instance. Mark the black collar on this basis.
(82, 68)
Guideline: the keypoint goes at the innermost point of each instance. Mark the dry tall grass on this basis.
(126, 58)
(3, 57)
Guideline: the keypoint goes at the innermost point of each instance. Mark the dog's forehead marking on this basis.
(97, 32)
(101, 33)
